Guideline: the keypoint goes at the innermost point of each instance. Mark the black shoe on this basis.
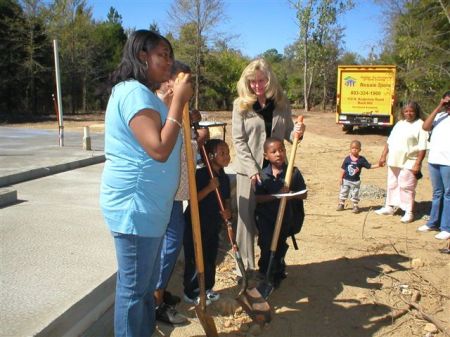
(277, 278)
(170, 299)
(277, 282)
(168, 314)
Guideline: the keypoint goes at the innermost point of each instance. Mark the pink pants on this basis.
(401, 188)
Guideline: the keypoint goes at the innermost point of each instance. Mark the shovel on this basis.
(231, 236)
(206, 321)
(265, 288)
(247, 298)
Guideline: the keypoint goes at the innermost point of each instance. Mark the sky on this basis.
(258, 25)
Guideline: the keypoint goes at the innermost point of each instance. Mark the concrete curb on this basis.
(46, 171)
(79, 317)
(7, 197)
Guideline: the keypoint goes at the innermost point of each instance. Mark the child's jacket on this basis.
(267, 212)
(209, 209)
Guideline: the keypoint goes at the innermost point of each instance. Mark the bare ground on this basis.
(354, 274)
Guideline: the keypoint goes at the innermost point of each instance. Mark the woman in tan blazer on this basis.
(261, 110)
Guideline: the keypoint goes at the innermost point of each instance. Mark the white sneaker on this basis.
(444, 235)
(386, 210)
(425, 228)
(408, 217)
(212, 295)
(196, 300)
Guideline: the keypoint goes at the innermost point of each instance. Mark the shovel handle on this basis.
(287, 182)
(193, 203)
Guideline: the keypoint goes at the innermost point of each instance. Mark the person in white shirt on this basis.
(403, 154)
(438, 122)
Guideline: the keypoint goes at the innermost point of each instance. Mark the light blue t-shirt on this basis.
(137, 191)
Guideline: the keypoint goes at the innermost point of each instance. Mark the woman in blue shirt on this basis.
(141, 174)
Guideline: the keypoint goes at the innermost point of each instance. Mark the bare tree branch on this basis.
(446, 12)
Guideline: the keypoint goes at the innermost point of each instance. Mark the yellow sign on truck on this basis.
(365, 96)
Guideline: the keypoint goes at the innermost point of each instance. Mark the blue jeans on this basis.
(440, 204)
(137, 274)
(171, 246)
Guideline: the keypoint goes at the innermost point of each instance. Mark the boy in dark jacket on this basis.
(267, 204)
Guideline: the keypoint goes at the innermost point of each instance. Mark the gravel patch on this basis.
(372, 192)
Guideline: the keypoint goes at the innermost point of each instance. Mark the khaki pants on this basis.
(246, 228)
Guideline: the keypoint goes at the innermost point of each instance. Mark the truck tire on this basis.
(347, 128)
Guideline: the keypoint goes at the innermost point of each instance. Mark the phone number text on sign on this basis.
(374, 93)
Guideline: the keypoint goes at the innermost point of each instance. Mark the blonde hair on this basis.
(246, 95)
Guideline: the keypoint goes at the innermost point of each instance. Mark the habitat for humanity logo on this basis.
(350, 81)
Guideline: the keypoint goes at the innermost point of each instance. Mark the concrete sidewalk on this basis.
(57, 258)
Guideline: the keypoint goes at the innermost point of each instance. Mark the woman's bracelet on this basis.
(173, 120)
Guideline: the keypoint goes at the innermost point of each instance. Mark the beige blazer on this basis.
(249, 135)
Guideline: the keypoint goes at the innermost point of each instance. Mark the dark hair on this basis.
(415, 106)
(447, 93)
(355, 141)
(179, 67)
(131, 67)
(212, 144)
(271, 140)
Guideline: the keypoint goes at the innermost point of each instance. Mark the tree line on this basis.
(417, 41)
